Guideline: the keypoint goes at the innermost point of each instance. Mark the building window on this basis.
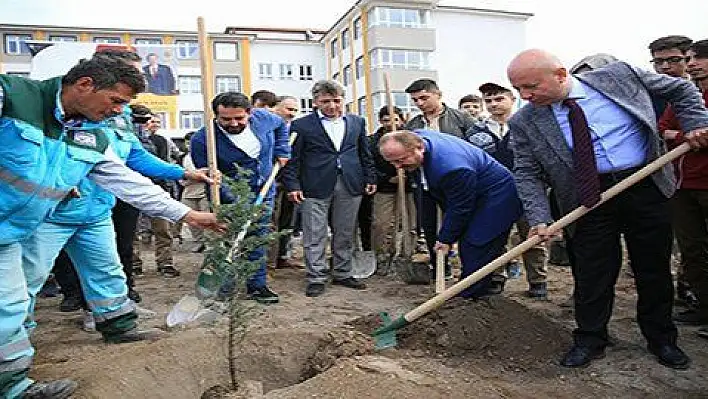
(361, 106)
(190, 84)
(265, 71)
(398, 17)
(305, 105)
(333, 48)
(305, 72)
(345, 38)
(16, 44)
(191, 120)
(228, 83)
(226, 51)
(359, 68)
(107, 40)
(63, 38)
(357, 28)
(148, 42)
(347, 75)
(287, 71)
(401, 59)
(187, 49)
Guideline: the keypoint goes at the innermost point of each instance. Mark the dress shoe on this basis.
(537, 291)
(350, 282)
(59, 389)
(314, 289)
(134, 295)
(134, 335)
(670, 355)
(581, 356)
(70, 304)
(496, 284)
(690, 317)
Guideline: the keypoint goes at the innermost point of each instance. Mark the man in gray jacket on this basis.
(581, 135)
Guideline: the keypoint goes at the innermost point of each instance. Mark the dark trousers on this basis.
(690, 213)
(67, 278)
(364, 221)
(125, 222)
(475, 257)
(286, 221)
(428, 214)
(641, 214)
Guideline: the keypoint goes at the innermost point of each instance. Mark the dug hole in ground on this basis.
(320, 348)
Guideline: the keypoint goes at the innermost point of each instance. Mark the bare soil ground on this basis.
(507, 347)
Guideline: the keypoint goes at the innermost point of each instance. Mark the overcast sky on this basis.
(567, 28)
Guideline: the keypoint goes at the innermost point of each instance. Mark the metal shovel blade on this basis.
(363, 264)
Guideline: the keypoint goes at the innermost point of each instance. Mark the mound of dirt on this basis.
(497, 329)
(335, 345)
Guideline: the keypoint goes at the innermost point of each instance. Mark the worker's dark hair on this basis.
(106, 73)
(230, 99)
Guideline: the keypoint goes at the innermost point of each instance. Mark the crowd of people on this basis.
(74, 145)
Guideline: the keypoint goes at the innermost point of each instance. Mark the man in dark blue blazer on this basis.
(159, 77)
(476, 193)
(250, 139)
(330, 169)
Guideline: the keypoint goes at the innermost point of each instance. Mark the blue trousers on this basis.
(15, 349)
(92, 249)
(475, 257)
(24, 268)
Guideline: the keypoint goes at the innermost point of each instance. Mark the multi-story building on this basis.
(285, 61)
(460, 47)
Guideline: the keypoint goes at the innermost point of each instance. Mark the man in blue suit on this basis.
(252, 138)
(330, 169)
(476, 193)
(159, 77)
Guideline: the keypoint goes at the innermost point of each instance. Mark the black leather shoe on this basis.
(581, 356)
(70, 304)
(59, 389)
(314, 289)
(350, 282)
(670, 355)
(134, 295)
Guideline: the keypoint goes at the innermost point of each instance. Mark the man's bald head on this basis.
(539, 76)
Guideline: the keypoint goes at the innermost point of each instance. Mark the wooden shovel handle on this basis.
(438, 300)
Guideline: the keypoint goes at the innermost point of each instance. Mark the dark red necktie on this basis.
(586, 176)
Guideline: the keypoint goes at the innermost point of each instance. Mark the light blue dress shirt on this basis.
(618, 138)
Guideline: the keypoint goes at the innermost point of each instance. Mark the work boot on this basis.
(263, 295)
(134, 335)
(70, 303)
(58, 389)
